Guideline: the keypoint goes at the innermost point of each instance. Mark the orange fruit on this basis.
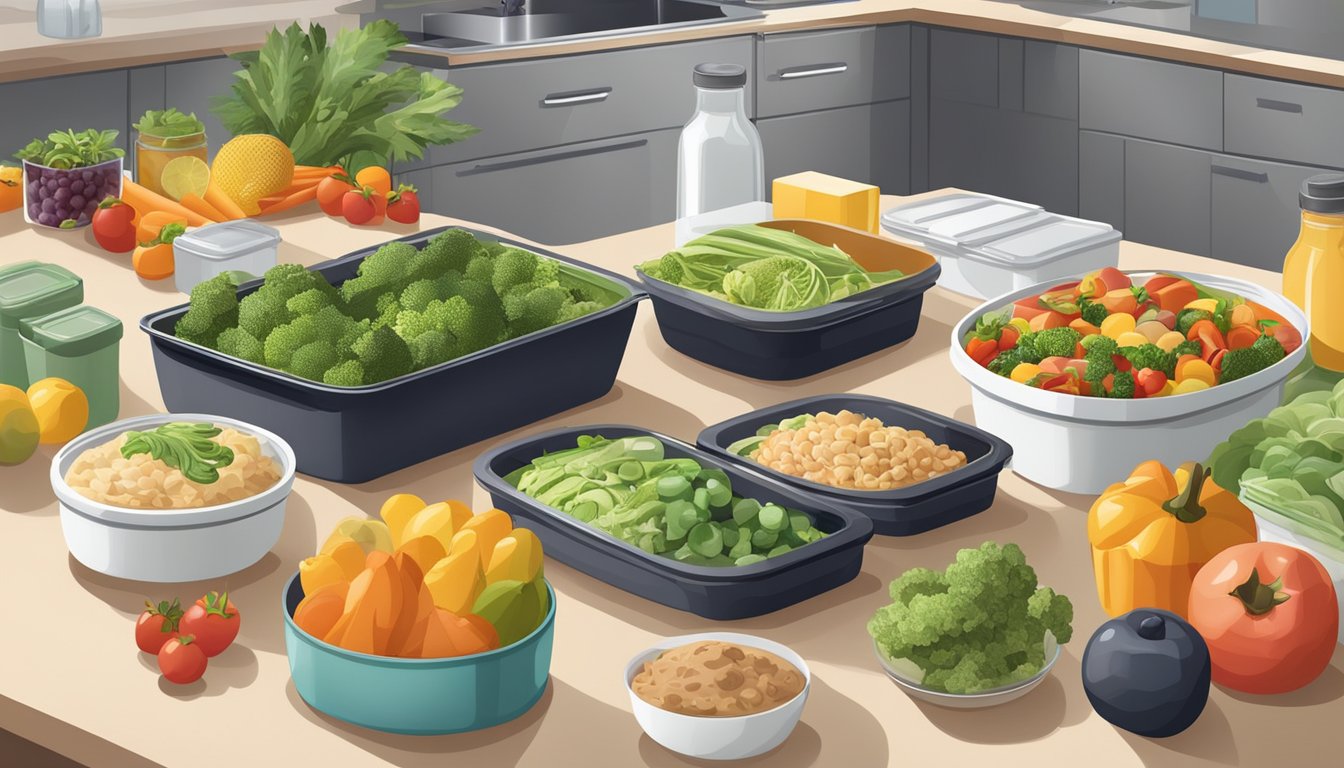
(62, 409)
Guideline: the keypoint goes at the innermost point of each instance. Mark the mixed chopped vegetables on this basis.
(1104, 336)
(672, 507)
(405, 310)
(765, 268)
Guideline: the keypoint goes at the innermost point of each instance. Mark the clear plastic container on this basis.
(65, 198)
(719, 161)
(153, 153)
(241, 246)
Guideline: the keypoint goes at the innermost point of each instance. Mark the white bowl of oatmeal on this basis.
(749, 694)
(156, 516)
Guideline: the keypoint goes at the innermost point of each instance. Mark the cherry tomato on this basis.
(331, 191)
(157, 625)
(114, 226)
(214, 621)
(1269, 615)
(1286, 335)
(1150, 382)
(403, 206)
(181, 660)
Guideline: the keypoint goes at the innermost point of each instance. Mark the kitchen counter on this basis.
(72, 680)
(140, 32)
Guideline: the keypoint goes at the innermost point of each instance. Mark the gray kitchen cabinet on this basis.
(1168, 199)
(564, 194)
(1284, 121)
(1101, 178)
(868, 143)
(1255, 210)
(810, 71)
(1149, 99)
(191, 86)
(35, 108)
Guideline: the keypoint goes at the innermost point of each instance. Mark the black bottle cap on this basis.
(1323, 193)
(721, 76)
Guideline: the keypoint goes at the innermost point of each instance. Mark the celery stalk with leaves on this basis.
(333, 102)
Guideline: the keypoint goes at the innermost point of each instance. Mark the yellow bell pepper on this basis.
(517, 557)
(1152, 533)
(397, 511)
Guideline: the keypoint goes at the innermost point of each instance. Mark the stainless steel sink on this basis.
(481, 25)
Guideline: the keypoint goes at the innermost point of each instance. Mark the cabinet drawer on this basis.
(1255, 210)
(1151, 99)
(1284, 121)
(526, 105)
(822, 70)
(1167, 197)
(566, 194)
(868, 143)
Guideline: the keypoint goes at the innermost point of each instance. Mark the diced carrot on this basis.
(1050, 319)
(145, 200)
(1103, 281)
(1082, 326)
(1158, 282)
(1028, 308)
(1240, 336)
(1175, 296)
(1054, 364)
(1208, 334)
(153, 222)
(1119, 301)
(223, 203)
(1265, 313)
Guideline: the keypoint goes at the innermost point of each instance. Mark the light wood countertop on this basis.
(137, 32)
(72, 680)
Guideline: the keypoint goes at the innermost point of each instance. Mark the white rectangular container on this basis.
(243, 246)
(988, 246)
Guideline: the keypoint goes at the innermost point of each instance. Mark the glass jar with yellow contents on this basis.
(164, 136)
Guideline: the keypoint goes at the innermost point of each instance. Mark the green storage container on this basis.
(80, 345)
(30, 289)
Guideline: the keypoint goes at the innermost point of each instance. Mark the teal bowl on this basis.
(418, 696)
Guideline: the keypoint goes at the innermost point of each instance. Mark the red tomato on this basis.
(181, 660)
(331, 192)
(360, 206)
(1150, 382)
(1269, 615)
(114, 226)
(403, 206)
(214, 621)
(157, 625)
(1286, 335)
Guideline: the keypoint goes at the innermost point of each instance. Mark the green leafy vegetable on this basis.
(184, 446)
(168, 124)
(329, 103)
(765, 268)
(67, 149)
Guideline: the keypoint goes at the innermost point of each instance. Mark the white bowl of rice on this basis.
(136, 517)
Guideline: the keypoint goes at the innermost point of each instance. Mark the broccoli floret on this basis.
(418, 295)
(309, 302)
(538, 308)
(513, 267)
(1026, 348)
(288, 280)
(237, 342)
(484, 324)
(1056, 342)
(1100, 358)
(263, 312)
(575, 310)
(284, 341)
(1270, 348)
(1123, 385)
(385, 310)
(214, 308)
(1188, 347)
(383, 354)
(1188, 317)
(481, 268)
(451, 250)
(386, 270)
(1093, 312)
(347, 373)
(313, 359)
(1004, 362)
(1240, 363)
(1151, 356)
(431, 348)
(668, 268)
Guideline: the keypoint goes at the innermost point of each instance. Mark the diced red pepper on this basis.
(982, 350)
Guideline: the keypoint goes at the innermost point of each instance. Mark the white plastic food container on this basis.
(989, 245)
(171, 545)
(718, 738)
(1083, 444)
(1274, 528)
(242, 245)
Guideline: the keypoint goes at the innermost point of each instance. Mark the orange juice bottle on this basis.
(1313, 278)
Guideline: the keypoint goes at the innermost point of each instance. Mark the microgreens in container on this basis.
(66, 176)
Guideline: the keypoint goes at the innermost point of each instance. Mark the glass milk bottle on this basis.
(719, 163)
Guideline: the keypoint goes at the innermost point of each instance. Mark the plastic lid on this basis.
(1323, 193)
(228, 239)
(32, 288)
(1052, 240)
(73, 332)
(968, 227)
(719, 76)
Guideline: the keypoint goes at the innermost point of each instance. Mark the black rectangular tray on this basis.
(356, 434)
(721, 593)
(902, 512)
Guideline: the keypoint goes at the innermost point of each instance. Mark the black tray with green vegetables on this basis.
(656, 517)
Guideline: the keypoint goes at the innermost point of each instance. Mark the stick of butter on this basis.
(812, 195)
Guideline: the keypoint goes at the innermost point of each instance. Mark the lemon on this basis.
(186, 175)
(252, 166)
(61, 408)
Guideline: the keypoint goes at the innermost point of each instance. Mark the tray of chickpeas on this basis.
(908, 469)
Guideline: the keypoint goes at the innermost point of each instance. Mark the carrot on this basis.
(1265, 313)
(302, 172)
(153, 222)
(195, 203)
(223, 203)
(304, 195)
(145, 200)
(1239, 336)
(1175, 295)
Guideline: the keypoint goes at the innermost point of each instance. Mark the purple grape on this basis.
(48, 220)
(76, 186)
(61, 195)
(48, 205)
(64, 181)
(77, 202)
(34, 210)
(34, 189)
(87, 174)
(52, 185)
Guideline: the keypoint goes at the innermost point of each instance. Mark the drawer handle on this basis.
(813, 71)
(576, 97)
(567, 154)
(1237, 173)
(1278, 106)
